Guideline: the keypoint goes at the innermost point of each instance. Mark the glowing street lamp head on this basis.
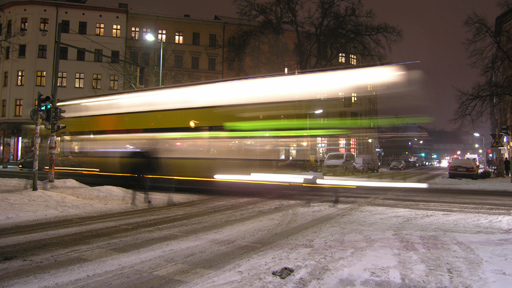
(150, 37)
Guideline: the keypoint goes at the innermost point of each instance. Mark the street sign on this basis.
(497, 143)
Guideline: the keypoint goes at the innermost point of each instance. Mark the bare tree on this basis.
(322, 30)
(489, 51)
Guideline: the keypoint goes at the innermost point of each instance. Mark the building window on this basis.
(178, 61)
(40, 78)
(82, 28)
(7, 52)
(65, 26)
(96, 81)
(80, 54)
(79, 80)
(135, 33)
(115, 56)
(43, 24)
(98, 55)
(20, 78)
(8, 29)
(341, 58)
(6, 78)
(1, 29)
(178, 37)
(22, 50)
(100, 29)
(145, 32)
(211, 64)
(353, 59)
(4, 108)
(114, 82)
(41, 51)
(63, 55)
(62, 79)
(195, 62)
(196, 38)
(18, 106)
(116, 30)
(24, 24)
(162, 35)
(213, 40)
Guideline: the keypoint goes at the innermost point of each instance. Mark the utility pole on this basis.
(52, 145)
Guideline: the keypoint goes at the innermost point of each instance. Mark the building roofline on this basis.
(13, 3)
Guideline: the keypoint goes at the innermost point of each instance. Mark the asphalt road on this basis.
(148, 247)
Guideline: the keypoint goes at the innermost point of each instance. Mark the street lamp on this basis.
(476, 134)
(150, 37)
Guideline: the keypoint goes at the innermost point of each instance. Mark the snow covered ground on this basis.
(389, 247)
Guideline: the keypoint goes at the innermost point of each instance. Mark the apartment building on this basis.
(190, 50)
(93, 39)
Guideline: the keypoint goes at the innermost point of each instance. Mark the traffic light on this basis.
(43, 102)
(58, 114)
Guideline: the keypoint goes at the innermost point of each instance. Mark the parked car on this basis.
(397, 165)
(463, 168)
(339, 163)
(367, 163)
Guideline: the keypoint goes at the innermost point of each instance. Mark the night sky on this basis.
(433, 34)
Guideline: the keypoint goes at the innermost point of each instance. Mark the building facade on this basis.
(86, 68)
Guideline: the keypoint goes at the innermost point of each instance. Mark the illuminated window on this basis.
(96, 81)
(40, 78)
(354, 97)
(162, 35)
(18, 106)
(135, 33)
(114, 82)
(145, 32)
(79, 80)
(20, 78)
(62, 79)
(100, 29)
(116, 30)
(342, 58)
(178, 37)
(24, 24)
(353, 60)
(43, 24)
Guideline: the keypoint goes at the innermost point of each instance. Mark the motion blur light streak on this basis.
(372, 184)
(306, 86)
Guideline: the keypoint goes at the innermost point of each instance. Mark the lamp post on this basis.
(150, 37)
(476, 134)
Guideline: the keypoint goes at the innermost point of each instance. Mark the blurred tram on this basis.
(240, 126)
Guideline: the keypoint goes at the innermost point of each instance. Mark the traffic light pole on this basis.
(52, 145)
(37, 140)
